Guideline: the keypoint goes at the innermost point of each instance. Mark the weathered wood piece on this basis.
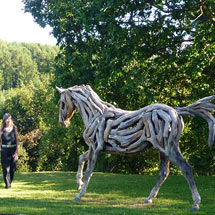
(112, 130)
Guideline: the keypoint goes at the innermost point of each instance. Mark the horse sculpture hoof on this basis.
(77, 199)
(195, 208)
(147, 201)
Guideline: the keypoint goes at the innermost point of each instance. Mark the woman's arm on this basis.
(0, 139)
(17, 143)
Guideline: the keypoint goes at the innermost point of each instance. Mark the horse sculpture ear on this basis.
(61, 90)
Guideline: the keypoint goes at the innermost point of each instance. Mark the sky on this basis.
(17, 26)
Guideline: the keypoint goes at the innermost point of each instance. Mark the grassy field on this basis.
(51, 193)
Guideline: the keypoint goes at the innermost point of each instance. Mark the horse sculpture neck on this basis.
(88, 103)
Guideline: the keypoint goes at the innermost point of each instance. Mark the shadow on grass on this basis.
(107, 194)
(51, 207)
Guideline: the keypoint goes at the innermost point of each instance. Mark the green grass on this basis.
(52, 193)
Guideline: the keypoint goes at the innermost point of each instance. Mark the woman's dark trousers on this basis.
(8, 165)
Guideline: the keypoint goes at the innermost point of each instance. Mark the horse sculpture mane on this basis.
(112, 130)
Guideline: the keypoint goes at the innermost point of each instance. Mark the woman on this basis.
(9, 149)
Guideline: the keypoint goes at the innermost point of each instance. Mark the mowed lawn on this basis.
(52, 193)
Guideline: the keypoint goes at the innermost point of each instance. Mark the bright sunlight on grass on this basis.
(50, 193)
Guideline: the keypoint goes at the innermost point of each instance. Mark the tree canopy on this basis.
(140, 47)
(21, 63)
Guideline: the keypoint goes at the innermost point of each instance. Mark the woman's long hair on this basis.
(3, 125)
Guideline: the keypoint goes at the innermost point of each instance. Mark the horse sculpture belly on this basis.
(156, 124)
(113, 130)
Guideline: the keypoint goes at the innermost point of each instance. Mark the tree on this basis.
(135, 52)
(29, 107)
(43, 56)
(17, 65)
(20, 63)
(137, 40)
(25, 77)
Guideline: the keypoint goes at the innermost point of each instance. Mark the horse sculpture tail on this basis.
(202, 107)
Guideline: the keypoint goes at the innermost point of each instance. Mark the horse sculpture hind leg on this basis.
(178, 160)
(163, 174)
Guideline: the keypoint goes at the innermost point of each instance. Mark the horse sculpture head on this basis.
(66, 107)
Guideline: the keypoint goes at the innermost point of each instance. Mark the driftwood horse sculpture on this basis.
(112, 130)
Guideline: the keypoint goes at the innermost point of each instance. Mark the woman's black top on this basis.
(9, 138)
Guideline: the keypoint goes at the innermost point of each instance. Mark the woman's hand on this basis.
(15, 156)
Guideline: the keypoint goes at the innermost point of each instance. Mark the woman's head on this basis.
(7, 120)
(6, 116)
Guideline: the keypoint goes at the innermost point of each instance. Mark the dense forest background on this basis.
(133, 53)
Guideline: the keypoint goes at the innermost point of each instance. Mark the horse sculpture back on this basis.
(112, 130)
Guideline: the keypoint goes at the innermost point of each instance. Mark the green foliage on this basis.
(31, 142)
(28, 101)
(60, 147)
(23, 161)
(43, 56)
(132, 46)
(21, 63)
(27, 108)
(16, 65)
(133, 53)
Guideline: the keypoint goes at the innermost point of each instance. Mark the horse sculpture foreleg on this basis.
(163, 174)
(82, 159)
(93, 155)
